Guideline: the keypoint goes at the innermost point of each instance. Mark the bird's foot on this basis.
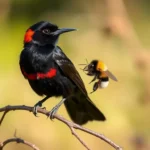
(36, 106)
(54, 109)
(52, 112)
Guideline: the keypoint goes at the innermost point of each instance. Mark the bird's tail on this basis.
(81, 109)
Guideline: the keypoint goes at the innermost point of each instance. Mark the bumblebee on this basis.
(99, 70)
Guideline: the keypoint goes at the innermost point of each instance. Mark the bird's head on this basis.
(44, 33)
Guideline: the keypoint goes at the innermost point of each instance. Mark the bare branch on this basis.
(17, 140)
(5, 112)
(70, 124)
(77, 136)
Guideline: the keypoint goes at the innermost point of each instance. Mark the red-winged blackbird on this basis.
(51, 73)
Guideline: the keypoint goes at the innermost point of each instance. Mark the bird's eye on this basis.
(46, 31)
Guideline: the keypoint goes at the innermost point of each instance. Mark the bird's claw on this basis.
(35, 111)
(36, 106)
(52, 113)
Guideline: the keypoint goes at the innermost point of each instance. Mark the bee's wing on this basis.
(110, 75)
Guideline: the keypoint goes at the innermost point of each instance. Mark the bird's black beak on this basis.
(63, 30)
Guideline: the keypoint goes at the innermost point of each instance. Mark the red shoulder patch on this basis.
(28, 36)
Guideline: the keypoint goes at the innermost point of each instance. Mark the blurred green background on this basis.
(125, 103)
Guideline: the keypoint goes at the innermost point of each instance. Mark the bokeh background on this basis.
(114, 31)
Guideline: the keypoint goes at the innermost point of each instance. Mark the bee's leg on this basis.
(85, 68)
(95, 87)
(93, 79)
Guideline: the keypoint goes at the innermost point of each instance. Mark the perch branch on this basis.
(17, 140)
(70, 124)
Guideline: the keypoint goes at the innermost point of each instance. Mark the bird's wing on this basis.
(68, 69)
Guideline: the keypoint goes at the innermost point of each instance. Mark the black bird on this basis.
(51, 73)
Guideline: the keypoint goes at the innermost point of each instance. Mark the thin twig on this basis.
(17, 140)
(77, 136)
(5, 112)
(70, 124)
